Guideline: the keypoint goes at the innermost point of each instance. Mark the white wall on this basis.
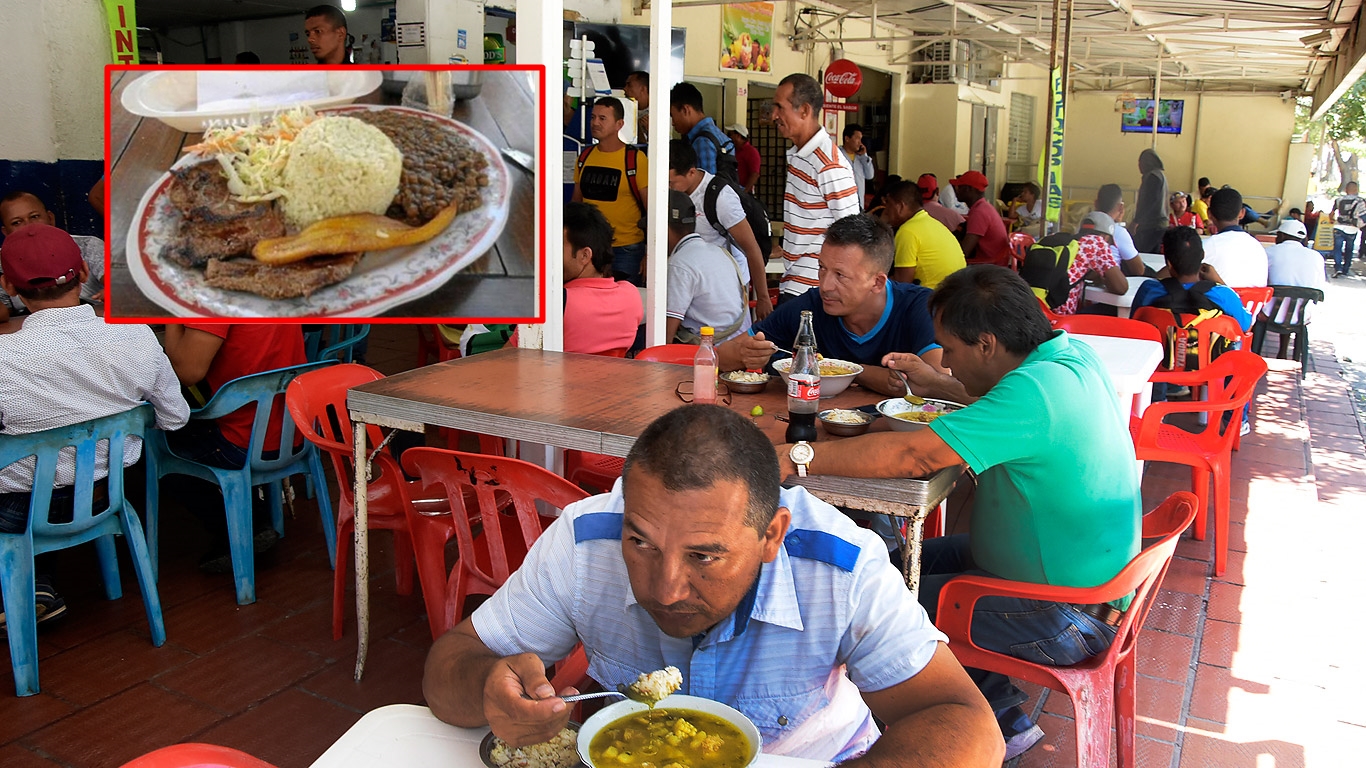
(52, 95)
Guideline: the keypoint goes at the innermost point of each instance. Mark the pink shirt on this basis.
(944, 215)
(993, 244)
(600, 314)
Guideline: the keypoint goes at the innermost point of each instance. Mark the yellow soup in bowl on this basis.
(670, 738)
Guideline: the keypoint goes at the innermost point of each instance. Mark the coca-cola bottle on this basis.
(803, 385)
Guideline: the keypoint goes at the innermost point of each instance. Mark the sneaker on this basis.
(1178, 391)
(1019, 731)
(48, 605)
(1245, 430)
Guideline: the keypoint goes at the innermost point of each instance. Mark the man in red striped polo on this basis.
(820, 183)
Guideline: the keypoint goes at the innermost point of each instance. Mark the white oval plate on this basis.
(610, 714)
(169, 96)
(382, 280)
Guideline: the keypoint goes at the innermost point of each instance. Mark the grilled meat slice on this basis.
(283, 281)
(199, 241)
(200, 191)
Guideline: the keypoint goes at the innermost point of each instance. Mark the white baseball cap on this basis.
(1293, 228)
(738, 128)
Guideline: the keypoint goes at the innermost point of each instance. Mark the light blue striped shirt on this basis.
(829, 617)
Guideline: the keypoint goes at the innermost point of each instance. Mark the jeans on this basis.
(1344, 247)
(626, 261)
(1056, 634)
(14, 519)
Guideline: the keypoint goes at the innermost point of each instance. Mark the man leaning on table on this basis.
(1057, 498)
(767, 599)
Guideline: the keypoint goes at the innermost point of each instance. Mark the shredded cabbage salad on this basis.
(253, 156)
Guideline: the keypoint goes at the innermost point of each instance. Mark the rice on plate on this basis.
(339, 166)
(560, 752)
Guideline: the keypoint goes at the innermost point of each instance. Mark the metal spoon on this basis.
(599, 695)
(910, 398)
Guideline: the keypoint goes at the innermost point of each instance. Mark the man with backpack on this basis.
(715, 151)
(1056, 267)
(1349, 215)
(612, 177)
(728, 217)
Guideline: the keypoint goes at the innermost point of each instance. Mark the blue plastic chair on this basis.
(334, 342)
(260, 389)
(18, 549)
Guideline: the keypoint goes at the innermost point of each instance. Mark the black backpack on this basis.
(755, 214)
(727, 166)
(1183, 342)
(1046, 264)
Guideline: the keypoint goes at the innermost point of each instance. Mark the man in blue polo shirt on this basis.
(765, 599)
(859, 314)
(1057, 499)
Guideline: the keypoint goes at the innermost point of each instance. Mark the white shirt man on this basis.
(1238, 257)
(859, 160)
(1290, 262)
(705, 288)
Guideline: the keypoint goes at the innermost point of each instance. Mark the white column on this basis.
(656, 240)
(540, 43)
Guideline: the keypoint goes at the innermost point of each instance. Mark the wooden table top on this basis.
(499, 285)
(592, 403)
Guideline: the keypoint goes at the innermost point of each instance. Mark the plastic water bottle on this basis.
(704, 366)
(803, 384)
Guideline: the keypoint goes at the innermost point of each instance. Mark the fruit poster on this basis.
(746, 34)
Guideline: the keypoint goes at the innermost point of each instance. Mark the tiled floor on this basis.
(1254, 669)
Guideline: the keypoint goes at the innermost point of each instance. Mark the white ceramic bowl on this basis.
(610, 714)
(171, 97)
(895, 405)
(830, 385)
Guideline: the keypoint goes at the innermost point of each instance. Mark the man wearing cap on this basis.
(21, 208)
(1233, 253)
(705, 288)
(926, 251)
(929, 197)
(1095, 257)
(1291, 262)
(65, 366)
(820, 188)
(746, 156)
(859, 160)
(985, 240)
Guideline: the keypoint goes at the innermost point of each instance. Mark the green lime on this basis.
(757, 410)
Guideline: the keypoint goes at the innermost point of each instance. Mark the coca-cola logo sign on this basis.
(843, 78)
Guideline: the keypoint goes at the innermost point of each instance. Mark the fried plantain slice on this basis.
(346, 234)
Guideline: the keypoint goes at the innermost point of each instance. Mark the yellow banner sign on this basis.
(123, 31)
(1054, 206)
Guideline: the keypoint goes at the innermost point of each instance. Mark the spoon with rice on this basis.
(649, 688)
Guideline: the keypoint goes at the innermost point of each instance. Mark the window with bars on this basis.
(772, 155)
(1021, 158)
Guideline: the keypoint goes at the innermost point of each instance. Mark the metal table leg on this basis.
(362, 462)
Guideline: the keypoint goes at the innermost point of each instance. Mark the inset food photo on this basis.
(323, 192)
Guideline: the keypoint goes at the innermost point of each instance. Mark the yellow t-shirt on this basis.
(603, 183)
(1201, 209)
(922, 242)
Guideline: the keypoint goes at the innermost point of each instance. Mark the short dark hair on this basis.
(332, 13)
(1294, 211)
(48, 291)
(1034, 188)
(586, 227)
(1202, 182)
(805, 91)
(20, 194)
(247, 57)
(1107, 197)
(612, 103)
(695, 446)
(851, 128)
(1226, 205)
(682, 157)
(906, 193)
(640, 76)
(1183, 250)
(985, 298)
(685, 95)
(869, 234)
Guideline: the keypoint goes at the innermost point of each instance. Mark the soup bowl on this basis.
(680, 702)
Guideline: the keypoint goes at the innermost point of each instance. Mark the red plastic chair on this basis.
(1103, 687)
(501, 494)
(679, 354)
(1102, 325)
(430, 345)
(317, 403)
(1053, 317)
(1254, 299)
(196, 756)
(1209, 451)
(619, 352)
(1020, 243)
(1166, 324)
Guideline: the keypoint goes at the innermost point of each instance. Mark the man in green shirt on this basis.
(1057, 499)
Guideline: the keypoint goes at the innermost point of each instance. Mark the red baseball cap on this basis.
(38, 254)
(928, 183)
(973, 179)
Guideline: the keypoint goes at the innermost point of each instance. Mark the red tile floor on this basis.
(1252, 669)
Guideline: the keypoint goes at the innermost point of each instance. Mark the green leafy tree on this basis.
(1346, 123)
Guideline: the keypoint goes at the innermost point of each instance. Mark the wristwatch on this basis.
(801, 454)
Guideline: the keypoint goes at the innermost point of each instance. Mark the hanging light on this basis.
(348, 5)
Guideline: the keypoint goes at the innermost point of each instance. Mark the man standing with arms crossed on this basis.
(820, 183)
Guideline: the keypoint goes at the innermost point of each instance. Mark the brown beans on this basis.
(438, 166)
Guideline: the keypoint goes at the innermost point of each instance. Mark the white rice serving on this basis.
(745, 377)
(339, 166)
(658, 684)
(559, 752)
(844, 416)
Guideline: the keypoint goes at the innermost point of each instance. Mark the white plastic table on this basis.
(1154, 261)
(409, 736)
(1123, 301)
(1130, 362)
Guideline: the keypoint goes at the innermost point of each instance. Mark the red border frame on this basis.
(540, 192)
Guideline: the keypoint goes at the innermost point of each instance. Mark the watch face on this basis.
(801, 453)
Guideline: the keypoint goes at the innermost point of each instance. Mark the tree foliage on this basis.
(1346, 121)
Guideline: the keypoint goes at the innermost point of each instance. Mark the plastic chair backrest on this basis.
(1101, 325)
(196, 756)
(618, 352)
(317, 402)
(1166, 324)
(1053, 317)
(93, 442)
(679, 354)
(499, 484)
(1298, 297)
(1230, 382)
(1020, 243)
(342, 346)
(261, 389)
(1254, 298)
